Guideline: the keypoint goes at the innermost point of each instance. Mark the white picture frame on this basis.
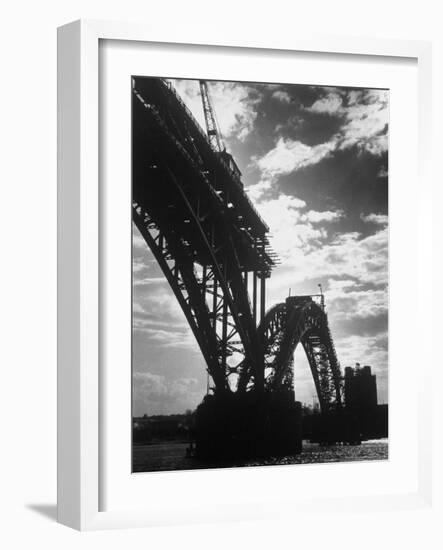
(79, 367)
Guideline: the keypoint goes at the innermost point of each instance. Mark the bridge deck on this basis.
(169, 132)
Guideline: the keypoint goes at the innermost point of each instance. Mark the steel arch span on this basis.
(301, 320)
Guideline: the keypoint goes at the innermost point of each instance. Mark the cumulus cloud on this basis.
(346, 257)
(326, 216)
(352, 304)
(363, 258)
(330, 104)
(365, 114)
(304, 242)
(309, 248)
(378, 219)
(365, 120)
(365, 350)
(282, 96)
(258, 191)
(288, 156)
(295, 233)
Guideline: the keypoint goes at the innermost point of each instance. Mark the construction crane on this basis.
(213, 131)
(212, 127)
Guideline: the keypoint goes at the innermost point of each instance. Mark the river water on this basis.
(172, 456)
(313, 453)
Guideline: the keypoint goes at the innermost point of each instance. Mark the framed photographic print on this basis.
(232, 229)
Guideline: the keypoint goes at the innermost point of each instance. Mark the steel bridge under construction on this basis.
(190, 206)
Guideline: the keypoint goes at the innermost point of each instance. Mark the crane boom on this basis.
(212, 127)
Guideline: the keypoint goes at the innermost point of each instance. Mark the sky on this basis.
(314, 162)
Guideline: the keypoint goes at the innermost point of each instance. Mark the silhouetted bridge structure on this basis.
(190, 206)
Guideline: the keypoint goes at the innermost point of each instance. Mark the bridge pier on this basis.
(231, 426)
(333, 428)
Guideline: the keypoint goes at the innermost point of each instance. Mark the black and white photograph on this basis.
(259, 274)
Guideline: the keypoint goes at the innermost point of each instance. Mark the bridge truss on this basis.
(301, 320)
(212, 246)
